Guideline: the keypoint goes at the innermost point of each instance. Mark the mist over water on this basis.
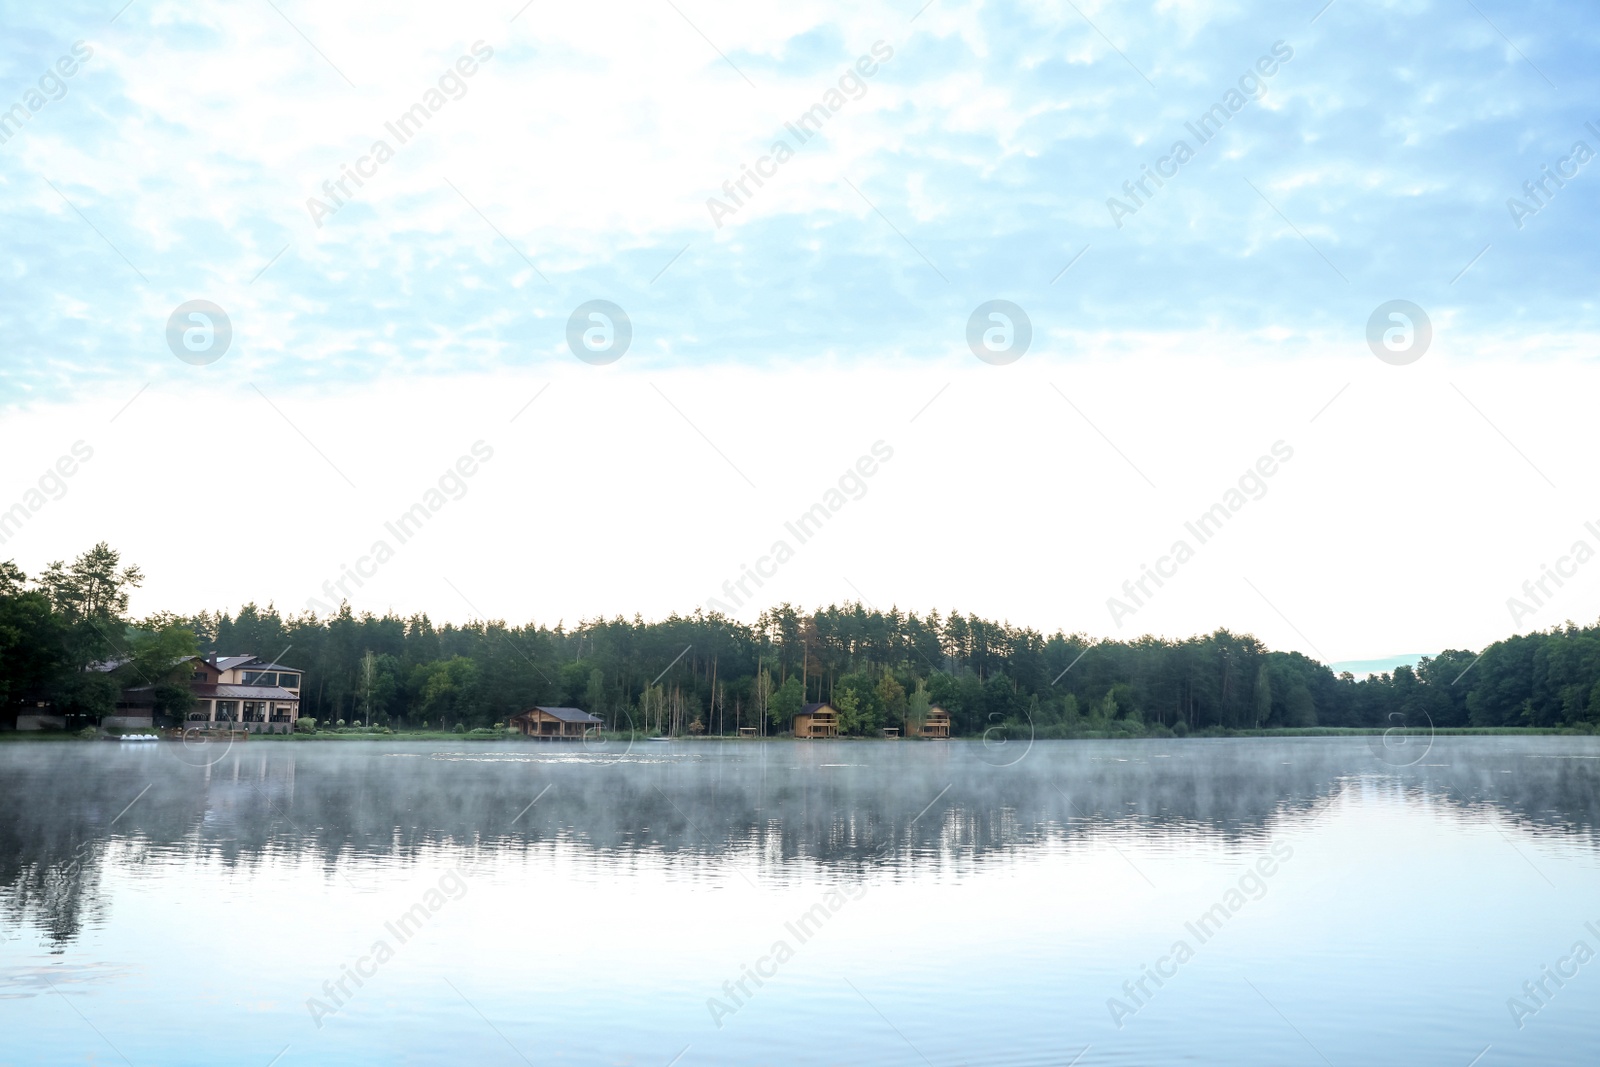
(988, 902)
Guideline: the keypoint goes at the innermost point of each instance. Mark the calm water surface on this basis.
(1305, 901)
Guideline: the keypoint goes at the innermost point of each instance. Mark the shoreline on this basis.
(1012, 734)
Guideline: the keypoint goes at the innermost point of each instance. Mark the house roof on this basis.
(564, 714)
(812, 709)
(256, 663)
(242, 692)
(224, 663)
(230, 692)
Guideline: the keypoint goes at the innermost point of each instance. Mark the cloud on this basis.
(976, 166)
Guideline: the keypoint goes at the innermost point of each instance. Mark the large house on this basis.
(230, 693)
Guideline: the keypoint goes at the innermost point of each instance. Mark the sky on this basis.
(1317, 170)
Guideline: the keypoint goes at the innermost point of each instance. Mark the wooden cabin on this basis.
(555, 724)
(937, 724)
(817, 720)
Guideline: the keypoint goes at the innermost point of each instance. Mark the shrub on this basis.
(1180, 729)
(340, 724)
(459, 729)
(305, 724)
(89, 733)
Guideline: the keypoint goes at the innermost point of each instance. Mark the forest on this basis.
(709, 674)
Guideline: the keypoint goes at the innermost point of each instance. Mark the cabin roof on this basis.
(812, 709)
(564, 714)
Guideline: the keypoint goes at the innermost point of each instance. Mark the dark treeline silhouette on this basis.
(707, 673)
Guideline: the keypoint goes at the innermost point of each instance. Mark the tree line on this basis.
(707, 673)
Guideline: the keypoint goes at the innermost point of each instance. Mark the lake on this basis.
(1244, 901)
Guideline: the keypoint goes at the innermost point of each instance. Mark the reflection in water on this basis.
(783, 810)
